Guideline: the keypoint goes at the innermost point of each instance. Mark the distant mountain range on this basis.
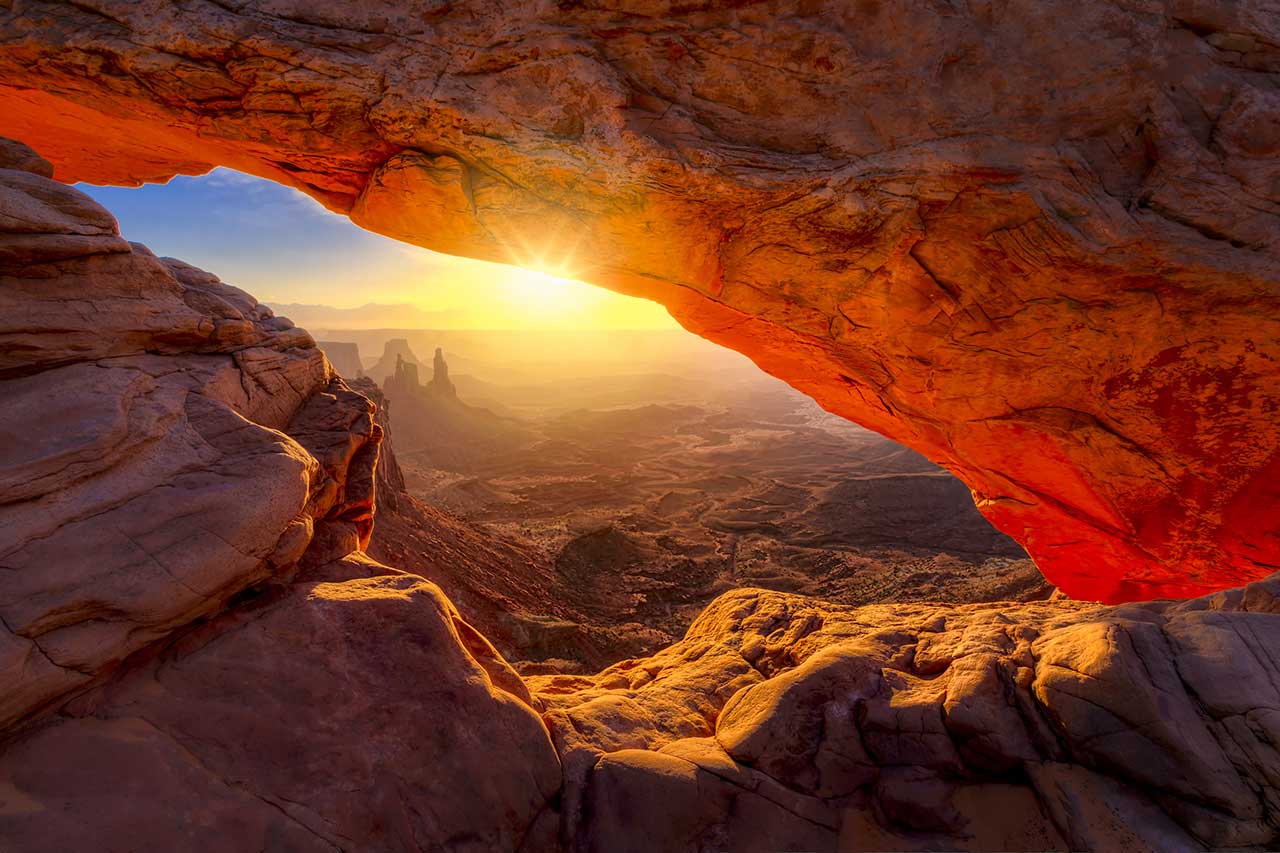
(372, 315)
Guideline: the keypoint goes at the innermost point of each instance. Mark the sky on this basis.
(283, 247)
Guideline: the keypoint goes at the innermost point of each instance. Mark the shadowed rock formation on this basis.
(195, 650)
(1035, 242)
(390, 481)
(440, 383)
(354, 715)
(186, 648)
(344, 357)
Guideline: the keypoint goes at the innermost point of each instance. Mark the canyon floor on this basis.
(638, 489)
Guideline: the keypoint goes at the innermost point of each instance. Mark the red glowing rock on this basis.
(1050, 268)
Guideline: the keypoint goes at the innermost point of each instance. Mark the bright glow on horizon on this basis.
(283, 247)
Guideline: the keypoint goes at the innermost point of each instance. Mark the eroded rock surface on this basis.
(166, 442)
(1035, 242)
(782, 722)
(194, 653)
(352, 715)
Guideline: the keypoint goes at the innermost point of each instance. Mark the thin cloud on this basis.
(224, 177)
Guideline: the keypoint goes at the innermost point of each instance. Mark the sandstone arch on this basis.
(1050, 267)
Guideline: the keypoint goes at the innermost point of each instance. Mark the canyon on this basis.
(610, 503)
(1050, 269)
(198, 652)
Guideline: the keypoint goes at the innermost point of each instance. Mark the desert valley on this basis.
(620, 427)
(636, 477)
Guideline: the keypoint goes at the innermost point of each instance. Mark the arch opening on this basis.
(579, 474)
(1017, 309)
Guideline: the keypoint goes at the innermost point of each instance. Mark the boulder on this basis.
(323, 716)
(784, 722)
(194, 651)
(165, 443)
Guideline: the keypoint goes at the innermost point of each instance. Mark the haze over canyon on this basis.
(626, 479)
(985, 563)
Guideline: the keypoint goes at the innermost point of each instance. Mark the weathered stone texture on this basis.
(783, 722)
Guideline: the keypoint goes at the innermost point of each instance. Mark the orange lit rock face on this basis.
(1051, 269)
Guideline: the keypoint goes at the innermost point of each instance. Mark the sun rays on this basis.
(283, 247)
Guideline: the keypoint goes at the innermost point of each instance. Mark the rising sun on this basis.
(541, 299)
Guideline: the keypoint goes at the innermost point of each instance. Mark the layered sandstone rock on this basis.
(389, 486)
(166, 442)
(1035, 242)
(193, 651)
(782, 722)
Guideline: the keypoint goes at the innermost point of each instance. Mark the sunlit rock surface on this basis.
(1036, 242)
(783, 722)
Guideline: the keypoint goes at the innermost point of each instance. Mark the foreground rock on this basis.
(782, 723)
(167, 443)
(193, 654)
(360, 715)
(1037, 243)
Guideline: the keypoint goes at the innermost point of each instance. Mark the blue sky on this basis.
(283, 247)
(269, 239)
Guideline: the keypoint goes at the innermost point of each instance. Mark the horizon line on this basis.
(508, 329)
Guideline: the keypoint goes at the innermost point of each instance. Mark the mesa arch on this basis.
(1052, 270)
